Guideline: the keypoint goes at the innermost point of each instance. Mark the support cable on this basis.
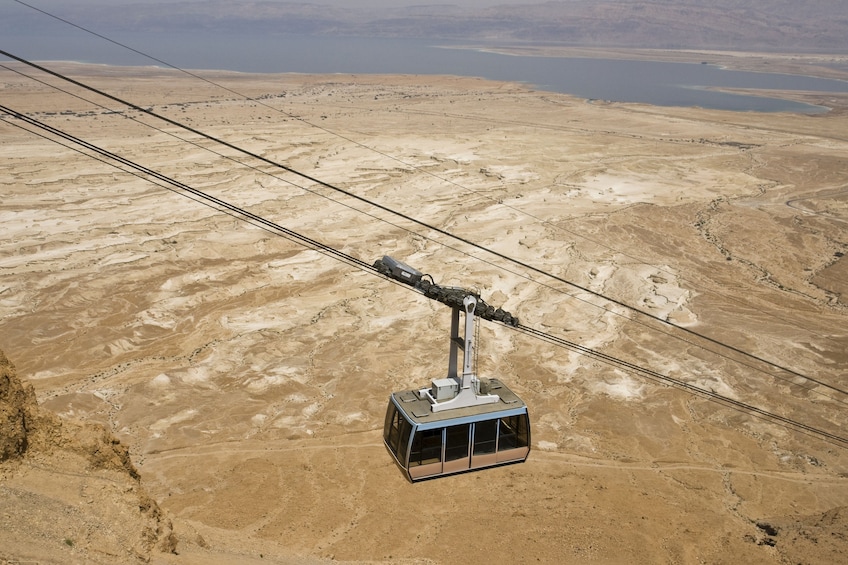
(254, 219)
(472, 244)
(220, 204)
(359, 144)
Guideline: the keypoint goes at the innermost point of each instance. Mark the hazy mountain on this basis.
(820, 25)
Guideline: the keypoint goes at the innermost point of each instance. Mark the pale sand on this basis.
(249, 376)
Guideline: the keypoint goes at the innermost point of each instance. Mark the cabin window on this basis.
(426, 447)
(396, 432)
(390, 428)
(485, 436)
(456, 443)
(514, 432)
(403, 442)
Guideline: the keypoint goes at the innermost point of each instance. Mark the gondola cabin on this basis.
(428, 444)
(459, 423)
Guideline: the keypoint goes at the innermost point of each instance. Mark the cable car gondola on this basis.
(459, 423)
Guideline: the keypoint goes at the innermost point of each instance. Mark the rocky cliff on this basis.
(68, 490)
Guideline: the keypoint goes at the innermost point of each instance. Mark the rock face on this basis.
(15, 404)
(68, 489)
(798, 538)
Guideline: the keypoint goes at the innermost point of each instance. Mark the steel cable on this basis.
(339, 255)
(472, 244)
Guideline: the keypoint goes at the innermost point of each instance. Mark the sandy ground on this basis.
(249, 375)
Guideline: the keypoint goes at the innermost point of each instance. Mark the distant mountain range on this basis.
(775, 25)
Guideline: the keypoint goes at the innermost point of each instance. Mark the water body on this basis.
(657, 83)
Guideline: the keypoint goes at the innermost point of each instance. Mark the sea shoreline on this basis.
(817, 65)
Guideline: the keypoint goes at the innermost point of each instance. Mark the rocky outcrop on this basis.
(69, 489)
(798, 538)
(15, 407)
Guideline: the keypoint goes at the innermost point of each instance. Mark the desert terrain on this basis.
(247, 376)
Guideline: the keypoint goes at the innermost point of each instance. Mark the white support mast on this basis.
(457, 391)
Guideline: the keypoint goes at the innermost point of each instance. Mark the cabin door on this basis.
(457, 456)
(484, 445)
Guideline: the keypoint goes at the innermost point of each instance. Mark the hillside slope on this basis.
(68, 490)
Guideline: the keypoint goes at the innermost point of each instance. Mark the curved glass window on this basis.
(514, 432)
(396, 432)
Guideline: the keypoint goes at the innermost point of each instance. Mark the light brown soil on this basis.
(248, 376)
